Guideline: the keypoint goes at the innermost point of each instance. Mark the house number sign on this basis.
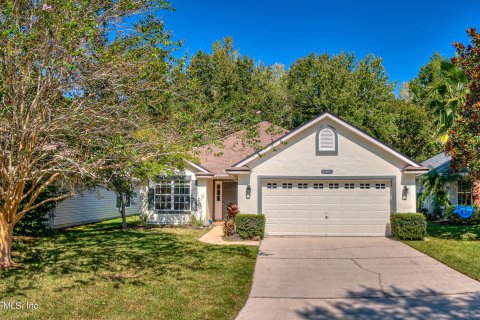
(327, 171)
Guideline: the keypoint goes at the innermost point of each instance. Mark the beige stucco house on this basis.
(325, 178)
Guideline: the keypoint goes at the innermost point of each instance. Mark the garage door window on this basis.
(364, 185)
(287, 186)
(318, 186)
(271, 186)
(333, 186)
(349, 186)
(303, 186)
(380, 186)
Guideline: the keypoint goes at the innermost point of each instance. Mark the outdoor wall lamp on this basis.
(404, 193)
(248, 192)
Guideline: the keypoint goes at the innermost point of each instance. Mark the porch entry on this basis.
(225, 192)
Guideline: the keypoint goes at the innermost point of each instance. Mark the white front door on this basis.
(218, 200)
(326, 208)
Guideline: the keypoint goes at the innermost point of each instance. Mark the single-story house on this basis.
(325, 178)
(459, 192)
(89, 207)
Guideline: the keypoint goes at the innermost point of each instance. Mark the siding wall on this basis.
(88, 207)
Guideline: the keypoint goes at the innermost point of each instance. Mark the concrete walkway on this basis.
(214, 236)
(355, 278)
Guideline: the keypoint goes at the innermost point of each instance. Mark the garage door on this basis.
(326, 208)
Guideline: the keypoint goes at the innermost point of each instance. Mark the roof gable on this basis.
(313, 122)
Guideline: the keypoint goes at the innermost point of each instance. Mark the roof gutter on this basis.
(238, 170)
(416, 170)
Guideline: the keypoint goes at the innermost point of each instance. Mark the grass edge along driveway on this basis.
(457, 246)
(98, 271)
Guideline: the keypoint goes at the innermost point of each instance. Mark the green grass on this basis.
(101, 272)
(450, 245)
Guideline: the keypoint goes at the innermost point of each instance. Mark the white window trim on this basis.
(172, 195)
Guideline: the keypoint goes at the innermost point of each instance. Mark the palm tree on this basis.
(446, 94)
(435, 187)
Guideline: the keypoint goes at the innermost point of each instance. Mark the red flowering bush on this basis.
(464, 139)
(229, 221)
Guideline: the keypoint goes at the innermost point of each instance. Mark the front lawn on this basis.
(450, 245)
(101, 272)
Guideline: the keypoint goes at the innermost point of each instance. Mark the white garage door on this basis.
(326, 208)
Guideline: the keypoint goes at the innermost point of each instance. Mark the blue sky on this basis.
(404, 33)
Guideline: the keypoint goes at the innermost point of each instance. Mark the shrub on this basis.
(250, 225)
(35, 223)
(194, 221)
(456, 219)
(408, 226)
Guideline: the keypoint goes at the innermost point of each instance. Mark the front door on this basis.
(225, 192)
(229, 195)
(218, 200)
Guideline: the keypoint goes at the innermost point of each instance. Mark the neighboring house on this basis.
(325, 178)
(458, 192)
(89, 207)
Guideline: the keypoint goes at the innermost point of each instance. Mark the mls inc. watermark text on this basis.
(18, 305)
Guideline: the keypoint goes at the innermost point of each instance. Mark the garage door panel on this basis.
(349, 201)
(317, 206)
(351, 210)
(302, 227)
(379, 229)
(366, 229)
(350, 229)
(286, 199)
(271, 214)
(317, 215)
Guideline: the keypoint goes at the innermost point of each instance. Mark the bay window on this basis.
(173, 194)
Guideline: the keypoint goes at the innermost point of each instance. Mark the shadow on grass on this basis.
(104, 252)
(455, 232)
(399, 304)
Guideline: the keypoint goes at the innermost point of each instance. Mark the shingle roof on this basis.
(440, 163)
(235, 148)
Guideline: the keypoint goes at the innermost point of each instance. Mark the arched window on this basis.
(327, 140)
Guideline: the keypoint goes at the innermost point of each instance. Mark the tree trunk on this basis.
(476, 193)
(6, 240)
(122, 212)
(124, 219)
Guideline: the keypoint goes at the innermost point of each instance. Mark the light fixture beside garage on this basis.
(248, 192)
(404, 193)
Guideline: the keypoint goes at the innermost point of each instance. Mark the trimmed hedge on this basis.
(408, 226)
(250, 225)
(456, 219)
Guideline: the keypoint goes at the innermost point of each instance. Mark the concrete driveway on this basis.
(355, 278)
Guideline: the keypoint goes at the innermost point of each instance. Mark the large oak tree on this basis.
(82, 95)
